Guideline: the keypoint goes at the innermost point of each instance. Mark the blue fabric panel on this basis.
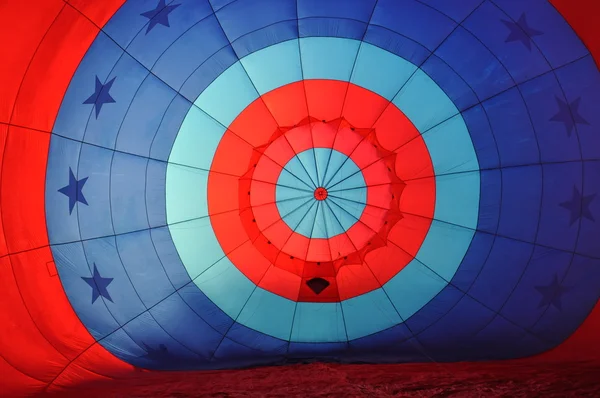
(262, 12)
(589, 214)
(156, 174)
(72, 265)
(482, 137)
(332, 27)
(148, 47)
(384, 340)
(511, 124)
(177, 63)
(256, 340)
(501, 272)
(128, 193)
(520, 203)
(521, 62)
(202, 305)
(230, 353)
(454, 85)
(406, 17)
(218, 4)
(264, 37)
(63, 225)
(504, 339)
(128, 22)
(556, 229)
(582, 291)
(144, 116)
(470, 315)
(144, 268)
(541, 97)
(168, 128)
(476, 257)
(208, 71)
(126, 303)
(128, 75)
(525, 301)
(410, 350)
(349, 21)
(457, 10)
(165, 249)
(178, 319)
(559, 43)
(435, 309)
(151, 337)
(480, 69)
(312, 350)
(99, 61)
(581, 84)
(122, 346)
(95, 219)
(398, 44)
(161, 239)
(360, 10)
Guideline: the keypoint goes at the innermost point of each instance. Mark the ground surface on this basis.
(508, 379)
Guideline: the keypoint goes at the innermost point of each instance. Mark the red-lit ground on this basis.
(500, 379)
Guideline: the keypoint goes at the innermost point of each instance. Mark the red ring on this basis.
(238, 156)
(261, 179)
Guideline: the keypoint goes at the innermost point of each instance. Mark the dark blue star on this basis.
(160, 15)
(99, 285)
(579, 206)
(521, 31)
(73, 190)
(568, 113)
(552, 293)
(101, 95)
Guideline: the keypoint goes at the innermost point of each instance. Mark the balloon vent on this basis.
(317, 285)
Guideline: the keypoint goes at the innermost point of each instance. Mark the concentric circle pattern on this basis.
(316, 198)
(239, 182)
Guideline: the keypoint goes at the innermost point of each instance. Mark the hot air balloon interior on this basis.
(199, 191)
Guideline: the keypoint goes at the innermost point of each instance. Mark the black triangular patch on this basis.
(317, 285)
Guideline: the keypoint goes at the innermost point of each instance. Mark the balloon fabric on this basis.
(211, 184)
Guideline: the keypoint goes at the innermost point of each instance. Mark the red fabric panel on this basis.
(35, 280)
(15, 383)
(51, 70)
(99, 12)
(97, 359)
(25, 23)
(41, 332)
(71, 378)
(93, 365)
(582, 15)
(3, 136)
(22, 189)
(359, 112)
(23, 345)
(290, 111)
(325, 107)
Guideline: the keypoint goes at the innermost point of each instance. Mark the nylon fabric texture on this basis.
(218, 184)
